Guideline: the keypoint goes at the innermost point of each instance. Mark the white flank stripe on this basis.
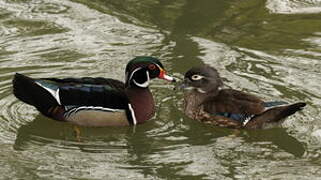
(282, 105)
(54, 93)
(247, 120)
(93, 108)
(131, 75)
(133, 114)
(97, 108)
(58, 96)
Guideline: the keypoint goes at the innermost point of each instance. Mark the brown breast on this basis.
(193, 103)
(142, 102)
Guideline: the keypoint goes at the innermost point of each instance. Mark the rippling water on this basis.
(269, 48)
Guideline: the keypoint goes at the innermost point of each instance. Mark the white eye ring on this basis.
(196, 77)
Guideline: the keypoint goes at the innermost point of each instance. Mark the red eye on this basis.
(151, 66)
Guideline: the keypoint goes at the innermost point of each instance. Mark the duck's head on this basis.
(140, 70)
(203, 79)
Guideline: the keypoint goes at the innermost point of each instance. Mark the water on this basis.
(269, 48)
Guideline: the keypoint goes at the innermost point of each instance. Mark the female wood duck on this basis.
(207, 101)
(95, 101)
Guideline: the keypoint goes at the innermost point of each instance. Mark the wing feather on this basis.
(233, 101)
(99, 92)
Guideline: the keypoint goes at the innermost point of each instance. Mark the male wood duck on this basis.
(205, 100)
(95, 101)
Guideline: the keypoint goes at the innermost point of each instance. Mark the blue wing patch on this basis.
(237, 117)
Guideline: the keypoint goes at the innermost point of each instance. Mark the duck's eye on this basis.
(152, 67)
(196, 77)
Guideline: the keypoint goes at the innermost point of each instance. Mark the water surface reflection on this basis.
(265, 47)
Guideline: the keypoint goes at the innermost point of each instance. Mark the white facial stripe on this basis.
(146, 83)
(135, 70)
(158, 66)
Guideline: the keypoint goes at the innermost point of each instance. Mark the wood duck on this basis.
(205, 100)
(95, 101)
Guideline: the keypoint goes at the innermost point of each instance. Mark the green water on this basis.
(271, 48)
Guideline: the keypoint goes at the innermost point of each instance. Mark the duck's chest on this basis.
(193, 104)
(142, 103)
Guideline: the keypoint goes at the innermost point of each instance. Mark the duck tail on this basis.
(274, 115)
(27, 90)
(291, 109)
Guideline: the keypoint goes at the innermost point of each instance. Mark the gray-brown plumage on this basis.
(205, 100)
